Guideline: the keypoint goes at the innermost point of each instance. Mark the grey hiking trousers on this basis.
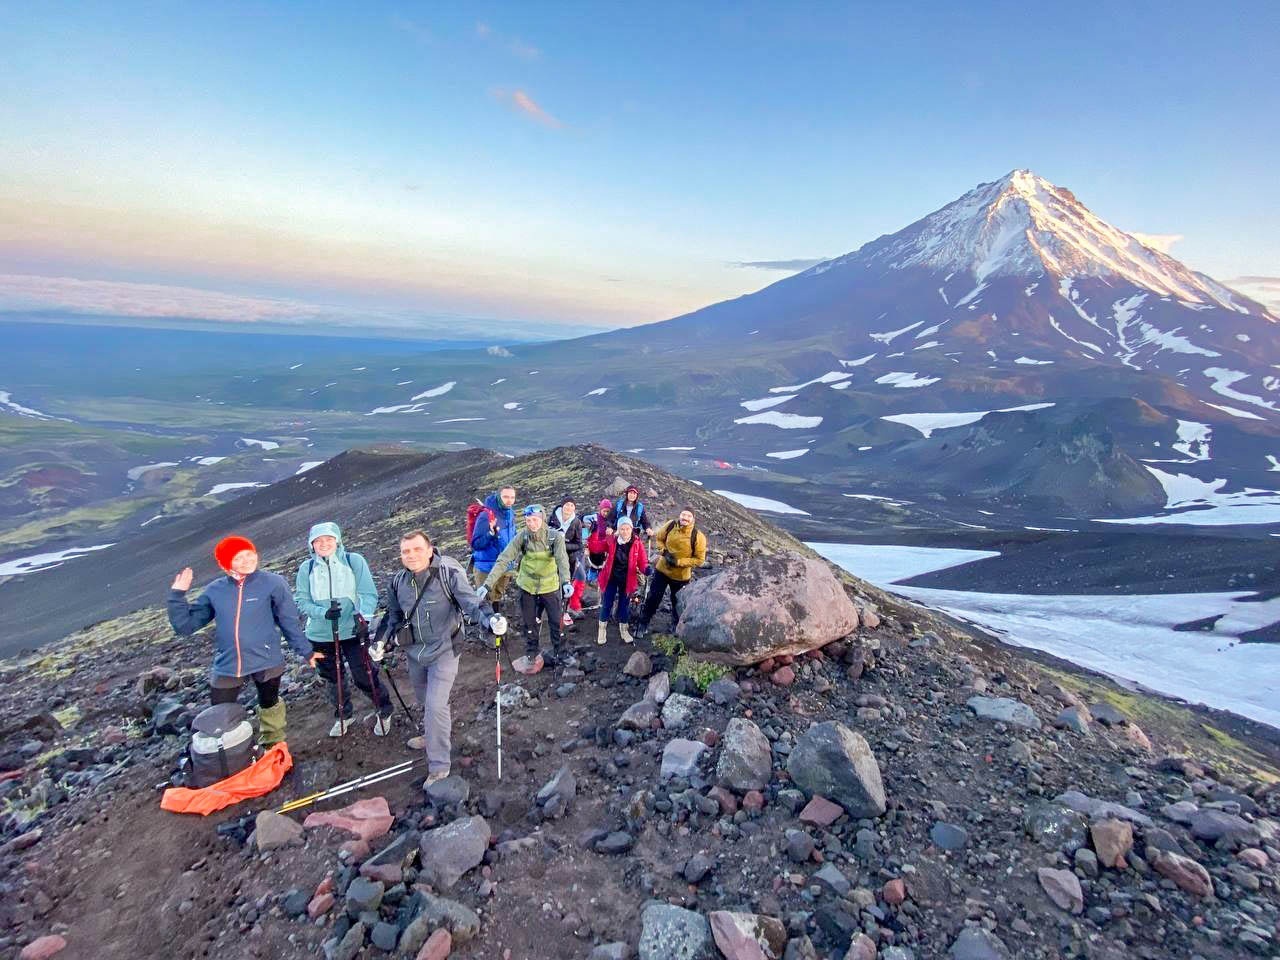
(432, 685)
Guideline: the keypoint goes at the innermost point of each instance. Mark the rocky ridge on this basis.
(901, 790)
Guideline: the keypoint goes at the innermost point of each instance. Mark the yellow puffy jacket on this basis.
(675, 539)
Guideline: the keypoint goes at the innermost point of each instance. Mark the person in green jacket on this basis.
(543, 581)
(334, 586)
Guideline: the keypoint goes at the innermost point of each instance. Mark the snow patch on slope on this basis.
(787, 421)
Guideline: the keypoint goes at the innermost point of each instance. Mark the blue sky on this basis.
(607, 164)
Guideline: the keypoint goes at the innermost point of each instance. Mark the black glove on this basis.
(334, 612)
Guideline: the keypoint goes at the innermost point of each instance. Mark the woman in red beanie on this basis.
(252, 608)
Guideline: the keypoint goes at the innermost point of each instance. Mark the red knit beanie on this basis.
(228, 547)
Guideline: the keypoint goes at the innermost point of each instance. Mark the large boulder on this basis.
(748, 936)
(746, 759)
(764, 607)
(673, 933)
(831, 760)
(450, 851)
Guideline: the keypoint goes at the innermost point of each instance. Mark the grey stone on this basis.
(611, 951)
(1054, 827)
(948, 836)
(799, 846)
(1183, 811)
(1086, 862)
(295, 903)
(673, 933)
(746, 759)
(723, 691)
(617, 842)
(831, 760)
(1158, 840)
(697, 867)
(450, 851)
(680, 758)
(461, 921)
(1062, 888)
(638, 665)
(1107, 715)
(830, 876)
(364, 894)
(762, 607)
(1100, 809)
(1074, 718)
(169, 716)
(975, 943)
(563, 787)
(350, 944)
(678, 711)
(451, 790)
(272, 830)
(639, 716)
(385, 936)
(659, 687)
(1213, 825)
(1005, 710)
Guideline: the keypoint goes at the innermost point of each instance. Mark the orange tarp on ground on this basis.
(254, 780)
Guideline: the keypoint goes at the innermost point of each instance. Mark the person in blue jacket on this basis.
(495, 527)
(334, 586)
(631, 506)
(252, 608)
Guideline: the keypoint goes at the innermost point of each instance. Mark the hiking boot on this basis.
(625, 632)
(381, 726)
(529, 665)
(416, 743)
(340, 727)
(435, 777)
(576, 614)
(564, 660)
(602, 633)
(642, 631)
(566, 621)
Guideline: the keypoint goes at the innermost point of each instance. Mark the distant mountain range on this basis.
(1009, 356)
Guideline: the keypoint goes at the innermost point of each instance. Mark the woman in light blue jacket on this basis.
(335, 588)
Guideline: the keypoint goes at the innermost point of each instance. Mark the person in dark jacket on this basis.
(252, 608)
(565, 519)
(625, 557)
(495, 527)
(431, 596)
(335, 587)
(630, 506)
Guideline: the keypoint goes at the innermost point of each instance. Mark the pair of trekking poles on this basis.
(397, 769)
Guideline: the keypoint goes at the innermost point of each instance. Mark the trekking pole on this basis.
(337, 666)
(499, 626)
(386, 773)
(386, 668)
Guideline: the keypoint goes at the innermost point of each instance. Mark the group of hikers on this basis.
(550, 560)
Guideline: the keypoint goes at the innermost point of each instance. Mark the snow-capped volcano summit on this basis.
(1022, 225)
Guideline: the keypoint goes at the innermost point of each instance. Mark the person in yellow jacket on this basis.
(681, 548)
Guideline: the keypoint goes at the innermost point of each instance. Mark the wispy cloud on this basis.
(521, 101)
(800, 263)
(1158, 241)
(415, 30)
(1266, 290)
(513, 45)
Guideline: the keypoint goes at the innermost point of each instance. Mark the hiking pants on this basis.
(360, 669)
(432, 685)
(227, 689)
(615, 592)
(531, 604)
(478, 578)
(658, 585)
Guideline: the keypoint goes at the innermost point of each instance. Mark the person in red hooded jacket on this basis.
(624, 558)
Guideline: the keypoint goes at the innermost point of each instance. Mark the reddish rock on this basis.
(356, 849)
(1063, 888)
(767, 666)
(325, 886)
(368, 819)
(747, 936)
(870, 619)
(1112, 839)
(1253, 857)
(862, 947)
(114, 736)
(894, 892)
(783, 676)
(1185, 872)
(784, 660)
(821, 812)
(1135, 735)
(43, 948)
(709, 737)
(319, 905)
(437, 947)
(747, 687)
(728, 802)
(754, 800)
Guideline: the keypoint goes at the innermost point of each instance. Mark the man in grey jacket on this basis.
(430, 596)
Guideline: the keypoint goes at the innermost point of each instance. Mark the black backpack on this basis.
(693, 534)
